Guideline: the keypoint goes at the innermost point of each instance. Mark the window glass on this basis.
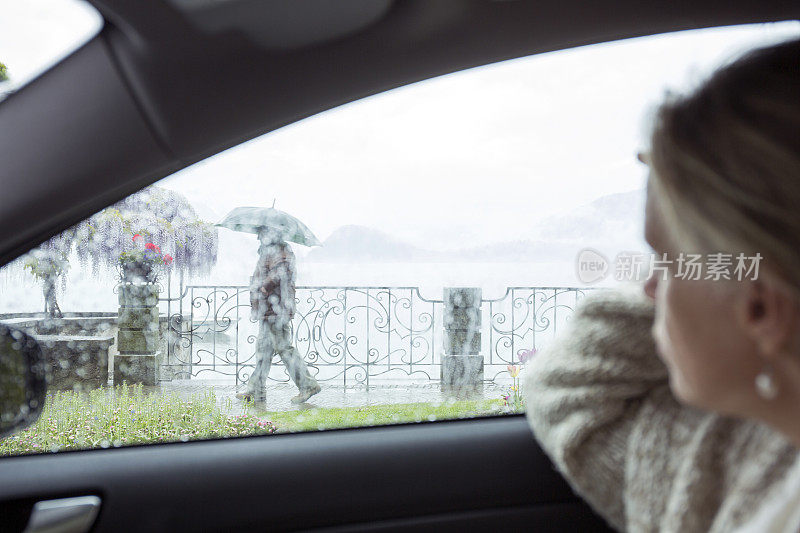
(36, 34)
(397, 259)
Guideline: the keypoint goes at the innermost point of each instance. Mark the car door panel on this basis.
(451, 474)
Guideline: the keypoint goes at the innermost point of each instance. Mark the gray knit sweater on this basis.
(600, 406)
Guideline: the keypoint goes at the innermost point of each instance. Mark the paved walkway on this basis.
(279, 395)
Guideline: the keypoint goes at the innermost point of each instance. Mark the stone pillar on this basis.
(138, 335)
(462, 362)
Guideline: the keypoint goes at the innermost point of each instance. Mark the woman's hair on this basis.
(726, 161)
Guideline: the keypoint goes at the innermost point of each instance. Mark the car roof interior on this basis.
(168, 83)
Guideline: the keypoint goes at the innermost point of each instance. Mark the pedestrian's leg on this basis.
(265, 348)
(295, 366)
(256, 377)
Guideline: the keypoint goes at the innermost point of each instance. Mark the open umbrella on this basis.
(255, 219)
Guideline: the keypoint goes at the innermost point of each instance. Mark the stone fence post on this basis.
(138, 335)
(462, 362)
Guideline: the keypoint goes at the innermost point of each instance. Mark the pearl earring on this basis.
(765, 384)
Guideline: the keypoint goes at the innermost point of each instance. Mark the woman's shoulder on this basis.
(615, 303)
(780, 509)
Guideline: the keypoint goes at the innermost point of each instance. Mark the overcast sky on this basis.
(468, 158)
(475, 156)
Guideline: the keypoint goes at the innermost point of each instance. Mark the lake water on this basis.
(20, 293)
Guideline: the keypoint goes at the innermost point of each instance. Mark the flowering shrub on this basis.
(159, 216)
(513, 400)
(126, 415)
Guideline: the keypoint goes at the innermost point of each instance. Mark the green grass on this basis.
(378, 415)
(120, 416)
(126, 415)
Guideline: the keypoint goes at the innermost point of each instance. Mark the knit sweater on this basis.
(599, 404)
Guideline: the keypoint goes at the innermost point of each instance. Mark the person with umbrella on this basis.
(272, 296)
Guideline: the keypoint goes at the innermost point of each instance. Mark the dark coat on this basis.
(272, 288)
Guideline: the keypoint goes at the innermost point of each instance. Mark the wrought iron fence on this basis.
(525, 318)
(356, 335)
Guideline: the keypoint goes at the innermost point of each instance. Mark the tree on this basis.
(48, 263)
(3, 72)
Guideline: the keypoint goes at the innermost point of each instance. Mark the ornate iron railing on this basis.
(525, 318)
(356, 335)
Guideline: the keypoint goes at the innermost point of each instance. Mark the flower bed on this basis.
(126, 415)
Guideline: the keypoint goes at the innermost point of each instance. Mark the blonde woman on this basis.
(677, 408)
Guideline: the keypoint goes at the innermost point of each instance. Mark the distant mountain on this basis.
(351, 244)
(612, 221)
(615, 218)
(364, 244)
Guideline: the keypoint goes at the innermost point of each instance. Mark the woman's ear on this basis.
(768, 315)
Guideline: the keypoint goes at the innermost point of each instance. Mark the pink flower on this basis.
(137, 238)
(513, 370)
(526, 355)
(151, 246)
(167, 259)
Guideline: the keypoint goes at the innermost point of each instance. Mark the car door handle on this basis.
(65, 515)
